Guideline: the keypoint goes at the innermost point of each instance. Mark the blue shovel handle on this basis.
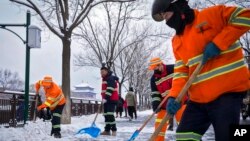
(134, 135)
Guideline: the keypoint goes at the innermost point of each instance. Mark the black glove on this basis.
(155, 104)
(107, 98)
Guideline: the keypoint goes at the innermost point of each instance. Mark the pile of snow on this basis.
(40, 131)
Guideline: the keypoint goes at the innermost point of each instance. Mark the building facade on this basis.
(83, 90)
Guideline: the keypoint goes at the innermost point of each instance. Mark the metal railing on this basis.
(81, 106)
(12, 107)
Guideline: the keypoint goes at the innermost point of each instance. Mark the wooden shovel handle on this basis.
(152, 115)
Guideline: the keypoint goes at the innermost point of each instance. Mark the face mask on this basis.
(176, 23)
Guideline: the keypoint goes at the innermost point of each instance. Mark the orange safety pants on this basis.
(160, 115)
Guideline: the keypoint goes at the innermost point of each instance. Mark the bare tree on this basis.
(62, 17)
(138, 74)
(106, 36)
(10, 80)
(107, 40)
(116, 40)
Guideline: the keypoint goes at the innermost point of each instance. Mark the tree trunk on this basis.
(120, 88)
(147, 103)
(66, 116)
(140, 101)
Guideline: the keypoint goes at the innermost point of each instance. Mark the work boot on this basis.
(113, 133)
(57, 135)
(105, 133)
(51, 133)
(171, 124)
(170, 128)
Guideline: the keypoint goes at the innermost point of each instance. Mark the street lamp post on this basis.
(27, 60)
(27, 69)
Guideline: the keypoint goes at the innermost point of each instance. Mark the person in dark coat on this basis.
(119, 108)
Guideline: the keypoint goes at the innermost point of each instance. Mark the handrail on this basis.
(11, 107)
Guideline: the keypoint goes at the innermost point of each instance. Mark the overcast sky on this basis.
(46, 60)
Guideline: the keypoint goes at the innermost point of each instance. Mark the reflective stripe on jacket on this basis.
(109, 88)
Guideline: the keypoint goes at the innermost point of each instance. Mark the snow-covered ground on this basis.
(40, 130)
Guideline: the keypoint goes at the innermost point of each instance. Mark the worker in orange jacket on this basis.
(211, 36)
(161, 83)
(55, 100)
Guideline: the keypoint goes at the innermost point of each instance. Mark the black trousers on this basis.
(171, 123)
(119, 110)
(221, 113)
(132, 111)
(109, 110)
(126, 111)
(56, 118)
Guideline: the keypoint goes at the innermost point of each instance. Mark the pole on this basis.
(27, 69)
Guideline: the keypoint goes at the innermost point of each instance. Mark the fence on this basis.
(80, 106)
(12, 107)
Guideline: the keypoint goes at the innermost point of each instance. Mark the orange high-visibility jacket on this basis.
(222, 74)
(54, 95)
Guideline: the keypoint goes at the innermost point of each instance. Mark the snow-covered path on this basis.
(40, 131)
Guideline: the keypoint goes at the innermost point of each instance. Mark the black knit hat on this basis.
(104, 67)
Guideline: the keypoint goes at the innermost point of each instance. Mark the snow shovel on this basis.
(136, 133)
(178, 99)
(93, 130)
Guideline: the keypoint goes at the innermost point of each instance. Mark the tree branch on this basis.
(66, 16)
(79, 18)
(76, 9)
(58, 15)
(22, 3)
(35, 8)
(104, 1)
(62, 13)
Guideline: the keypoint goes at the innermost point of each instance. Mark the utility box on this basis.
(34, 38)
